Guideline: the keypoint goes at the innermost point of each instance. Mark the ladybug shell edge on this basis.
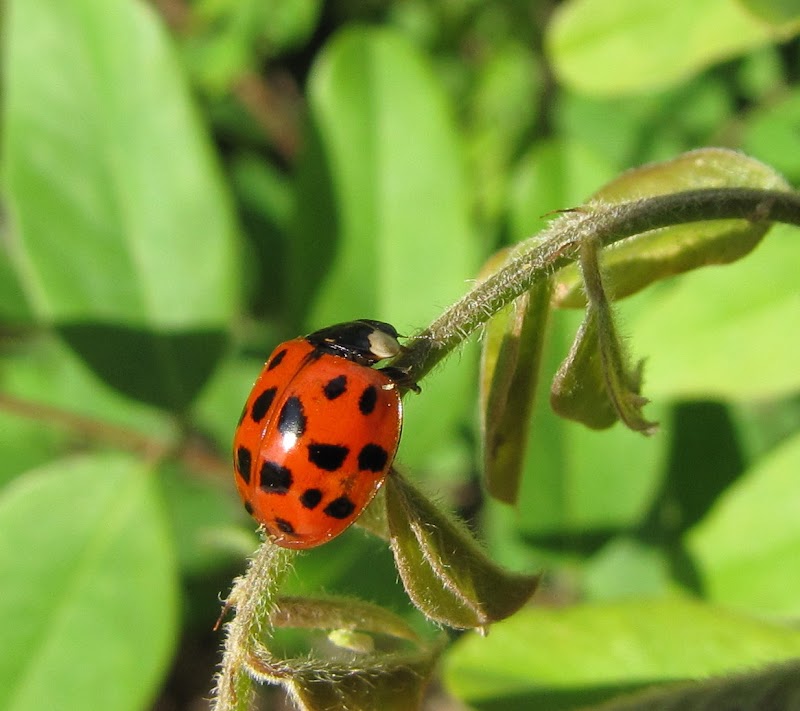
(317, 437)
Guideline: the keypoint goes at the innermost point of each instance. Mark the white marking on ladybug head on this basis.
(382, 345)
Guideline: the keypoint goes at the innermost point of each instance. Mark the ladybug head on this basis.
(364, 341)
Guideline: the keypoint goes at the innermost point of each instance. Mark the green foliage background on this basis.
(187, 183)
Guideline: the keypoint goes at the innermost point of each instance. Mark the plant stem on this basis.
(558, 245)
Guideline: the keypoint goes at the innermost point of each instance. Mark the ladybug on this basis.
(319, 431)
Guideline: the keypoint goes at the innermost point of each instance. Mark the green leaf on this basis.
(774, 11)
(340, 613)
(775, 687)
(598, 355)
(636, 262)
(510, 363)
(382, 228)
(89, 589)
(725, 333)
(747, 547)
(393, 682)
(579, 389)
(445, 573)
(503, 106)
(770, 133)
(629, 46)
(123, 236)
(58, 398)
(230, 38)
(578, 480)
(553, 175)
(14, 306)
(562, 658)
(378, 660)
(626, 568)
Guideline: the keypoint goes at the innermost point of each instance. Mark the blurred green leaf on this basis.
(553, 175)
(230, 37)
(759, 76)
(578, 480)
(123, 235)
(503, 106)
(705, 457)
(629, 46)
(201, 513)
(626, 568)
(748, 547)
(265, 201)
(510, 363)
(89, 591)
(14, 306)
(725, 333)
(382, 228)
(633, 263)
(771, 133)
(774, 687)
(562, 658)
(774, 11)
(446, 574)
(65, 405)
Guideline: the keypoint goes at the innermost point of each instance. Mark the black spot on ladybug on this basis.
(275, 479)
(262, 404)
(340, 508)
(366, 403)
(276, 360)
(373, 458)
(292, 419)
(329, 457)
(248, 507)
(311, 498)
(284, 526)
(335, 387)
(244, 463)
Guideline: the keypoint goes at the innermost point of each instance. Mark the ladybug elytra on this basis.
(319, 432)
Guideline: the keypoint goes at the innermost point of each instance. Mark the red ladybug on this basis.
(319, 432)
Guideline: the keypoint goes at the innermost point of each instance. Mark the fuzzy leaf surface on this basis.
(446, 574)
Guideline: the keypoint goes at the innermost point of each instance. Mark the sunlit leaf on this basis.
(748, 547)
(121, 233)
(634, 263)
(627, 46)
(774, 11)
(567, 658)
(80, 630)
(726, 333)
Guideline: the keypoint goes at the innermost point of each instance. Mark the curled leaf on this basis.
(379, 661)
(340, 614)
(511, 352)
(579, 388)
(596, 374)
(445, 573)
(387, 682)
(634, 263)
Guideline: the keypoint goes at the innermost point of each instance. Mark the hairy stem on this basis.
(558, 245)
